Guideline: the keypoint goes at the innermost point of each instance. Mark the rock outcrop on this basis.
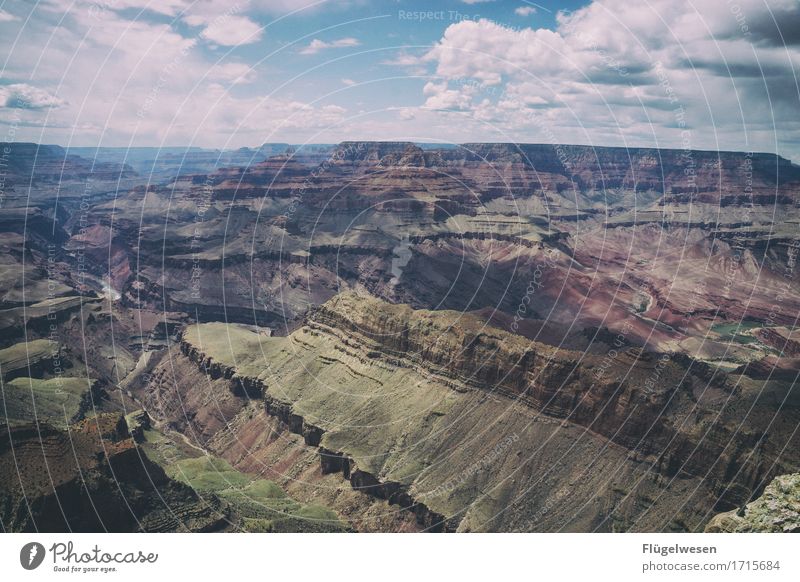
(362, 379)
(93, 478)
(776, 511)
(647, 300)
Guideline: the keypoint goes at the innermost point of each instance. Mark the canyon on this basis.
(386, 336)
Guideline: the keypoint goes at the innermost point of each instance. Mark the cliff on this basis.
(93, 478)
(401, 402)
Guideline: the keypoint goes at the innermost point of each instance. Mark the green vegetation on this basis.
(49, 307)
(233, 345)
(208, 474)
(262, 504)
(737, 331)
(20, 355)
(57, 401)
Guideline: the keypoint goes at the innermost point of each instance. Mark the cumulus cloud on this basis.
(223, 23)
(620, 71)
(614, 72)
(106, 77)
(231, 30)
(22, 96)
(440, 97)
(317, 45)
(487, 51)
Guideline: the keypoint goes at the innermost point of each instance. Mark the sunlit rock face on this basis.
(776, 511)
(418, 326)
(402, 403)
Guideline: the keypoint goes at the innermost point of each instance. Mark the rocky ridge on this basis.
(373, 350)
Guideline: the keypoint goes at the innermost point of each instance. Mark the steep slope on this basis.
(661, 245)
(629, 309)
(473, 428)
(93, 478)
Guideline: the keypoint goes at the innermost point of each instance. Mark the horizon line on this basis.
(386, 141)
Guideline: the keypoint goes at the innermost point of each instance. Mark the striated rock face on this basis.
(31, 358)
(667, 170)
(647, 300)
(776, 511)
(429, 409)
(782, 339)
(212, 413)
(361, 481)
(464, 351)
(270, 444)
(137, 422)
(671, 240)
(634, 398)
(93, 478)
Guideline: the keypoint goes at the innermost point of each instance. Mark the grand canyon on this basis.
(377, 336)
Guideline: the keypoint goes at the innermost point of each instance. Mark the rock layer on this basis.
(364, 379)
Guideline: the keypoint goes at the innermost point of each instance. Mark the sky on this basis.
(693, 74)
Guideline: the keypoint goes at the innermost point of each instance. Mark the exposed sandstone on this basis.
(776, 511)
(404, 362)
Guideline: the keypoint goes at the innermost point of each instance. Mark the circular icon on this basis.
(31, 555)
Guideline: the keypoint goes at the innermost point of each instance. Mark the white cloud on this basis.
(106, 77)
(440, 97)
(525, 11)
(403, 59)
(348, 82)
(23, 96)
(595, 79)
(7, 17)
(625, 72)
(487, 51)
(407, 113)
(234, 73)
(232, 30)
(317, 45)
(223, 23)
